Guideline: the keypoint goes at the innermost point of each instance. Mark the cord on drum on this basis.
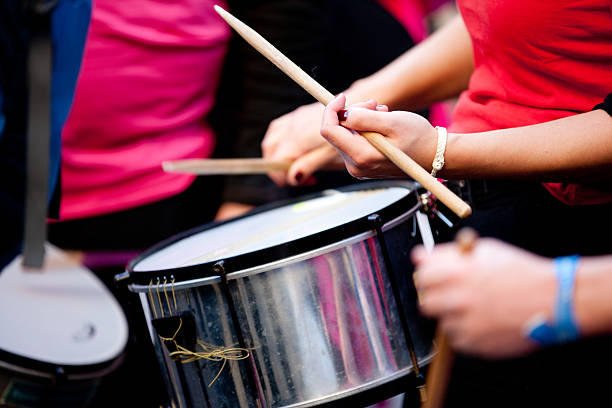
(177, 331)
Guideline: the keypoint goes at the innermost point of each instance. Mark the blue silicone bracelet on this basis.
(563, 329)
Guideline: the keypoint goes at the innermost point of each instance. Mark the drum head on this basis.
(275, 232)
(62, 315)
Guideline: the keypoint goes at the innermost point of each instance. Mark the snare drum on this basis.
(291, 305)
(61, 332)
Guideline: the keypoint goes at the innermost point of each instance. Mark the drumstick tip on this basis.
(465, 211)
(222, 12)
(167, 166)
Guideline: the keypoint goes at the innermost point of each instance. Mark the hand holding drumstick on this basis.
(390, 151)
(473, 294)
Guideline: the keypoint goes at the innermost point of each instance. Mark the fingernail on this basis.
(381, 106)
(343, 114)
(298, 176)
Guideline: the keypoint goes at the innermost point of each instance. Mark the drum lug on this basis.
(377, 224)
(219, 269)
(60, 375)
(257, 394)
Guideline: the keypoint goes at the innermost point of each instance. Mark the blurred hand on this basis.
(292, 136)
(231, 209)
(410, 132)
(296, 136)
(484, 299)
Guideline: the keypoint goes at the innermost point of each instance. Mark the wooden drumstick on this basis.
(225, 166)
(380, 142)
(439, 373)
(325, 154)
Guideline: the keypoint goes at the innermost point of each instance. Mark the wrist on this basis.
(585, 283)
(592, 293)
(451, 166)
(438, 160)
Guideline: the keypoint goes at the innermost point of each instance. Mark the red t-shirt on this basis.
(536, 61)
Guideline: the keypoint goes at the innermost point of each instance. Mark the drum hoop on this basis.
(34, 368)
(288, 250)
(211, 280)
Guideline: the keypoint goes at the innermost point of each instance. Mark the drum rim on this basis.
(267, 255)
(20, 365)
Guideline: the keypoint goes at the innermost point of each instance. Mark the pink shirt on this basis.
(148, 80)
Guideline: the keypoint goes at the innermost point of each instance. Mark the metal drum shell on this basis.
(320, 325)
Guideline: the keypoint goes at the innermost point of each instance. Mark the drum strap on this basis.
(35, 230)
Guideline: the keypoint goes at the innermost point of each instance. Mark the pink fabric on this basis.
(411, 14)
(148, 80)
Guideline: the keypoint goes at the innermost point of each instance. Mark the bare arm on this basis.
(434, 70)
(577, 148)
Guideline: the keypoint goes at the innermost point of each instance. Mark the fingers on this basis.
(274, 135)
(369, 104)
(418, 254)
(442, 303)
(270, 147)
(380, 120)
(343, 113)
(440, 278)
(330, 114)
(229, 210)
(303, 168)
(291, 136)
(345, 140)
(438, 268)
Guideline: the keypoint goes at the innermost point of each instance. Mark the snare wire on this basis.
(151, 301)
